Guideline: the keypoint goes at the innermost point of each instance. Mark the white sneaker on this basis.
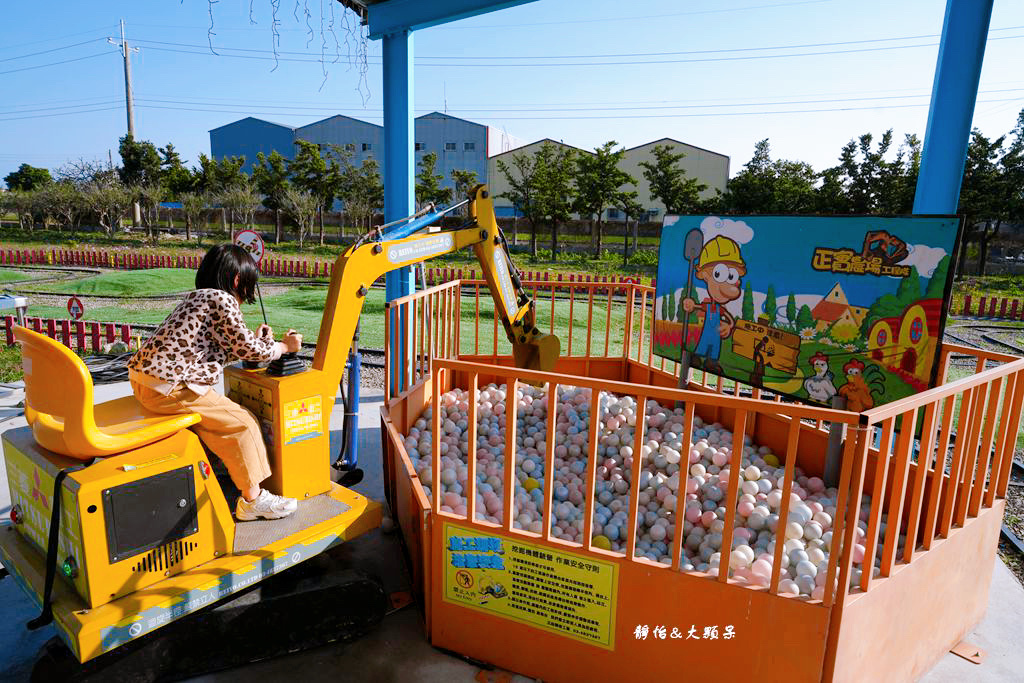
(266, 505)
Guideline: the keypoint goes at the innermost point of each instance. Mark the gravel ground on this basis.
(963, 332)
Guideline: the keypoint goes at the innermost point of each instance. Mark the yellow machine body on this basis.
(145, 533)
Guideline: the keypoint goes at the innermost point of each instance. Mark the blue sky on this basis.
(530, 70)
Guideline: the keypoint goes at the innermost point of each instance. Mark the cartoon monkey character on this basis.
(721, 267)
(819, 387)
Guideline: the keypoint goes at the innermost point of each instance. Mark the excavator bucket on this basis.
(540, 354)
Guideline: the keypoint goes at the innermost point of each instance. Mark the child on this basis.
(175, 369)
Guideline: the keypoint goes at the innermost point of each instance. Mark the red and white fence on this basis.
(994, 307)
(75, 334)
(123, 260)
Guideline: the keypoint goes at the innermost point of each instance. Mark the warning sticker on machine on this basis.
(303, 419)
(420, 249)
(564, 593)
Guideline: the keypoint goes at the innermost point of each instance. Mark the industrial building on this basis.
(459, 144)
(710, 168)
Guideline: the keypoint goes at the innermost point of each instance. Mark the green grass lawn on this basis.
(129, 283)
(7, 275)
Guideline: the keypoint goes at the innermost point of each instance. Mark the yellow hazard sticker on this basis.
(303, 419)
(566, 593)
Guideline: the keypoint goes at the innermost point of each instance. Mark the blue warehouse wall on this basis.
(458, 144)
(363, 139)
(249, 136)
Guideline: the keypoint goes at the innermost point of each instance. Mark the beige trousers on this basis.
(227, 429)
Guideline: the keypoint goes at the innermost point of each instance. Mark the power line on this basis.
(326, 106)
(609, 55)
(575, 118)
(63, 61)
(49, 109)
(55, 49)
(66, 113)
(564, 64)
(50, 40)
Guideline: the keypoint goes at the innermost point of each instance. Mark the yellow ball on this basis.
(602, 542)
(530, 484)
(771, 460)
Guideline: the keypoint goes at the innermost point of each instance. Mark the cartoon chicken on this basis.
(856, 391)
(819, 387)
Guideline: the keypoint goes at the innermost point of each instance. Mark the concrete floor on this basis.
(397, 649)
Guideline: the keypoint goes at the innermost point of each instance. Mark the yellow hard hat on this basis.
(718, 250)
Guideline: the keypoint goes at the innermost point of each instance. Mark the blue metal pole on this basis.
(961, 51)
(399, 174)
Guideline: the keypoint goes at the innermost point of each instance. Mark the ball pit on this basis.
(694, 475)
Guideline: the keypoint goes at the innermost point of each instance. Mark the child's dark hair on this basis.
(220, 266)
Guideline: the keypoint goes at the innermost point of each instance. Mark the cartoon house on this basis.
(834, 309)
(907, 341)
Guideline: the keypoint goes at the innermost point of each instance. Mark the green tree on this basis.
(241, 202)
(521, 177)
(766, 186)
(598, 182)
(936, 288)
(1012, 165)
(771, 305)
(747, 312)
(174, 175)
(270, 173)
(982, 196)
(364, 192)
(149, 198)
(830, 197)
(464, 182)
(428, 183)
(301, 207)
(28, 178)
(665, 302)
(668, 182)
(193, 207)
(791, 310)
(140, 162)
(216, 175)
(64, 201)
(555, 191)
(627, 202)
(317, 175)
(804, 318)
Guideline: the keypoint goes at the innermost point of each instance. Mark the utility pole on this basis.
(129, 105)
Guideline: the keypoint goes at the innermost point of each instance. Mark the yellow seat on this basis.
(59, 406)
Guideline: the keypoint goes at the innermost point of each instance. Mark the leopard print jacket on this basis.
(203, 334)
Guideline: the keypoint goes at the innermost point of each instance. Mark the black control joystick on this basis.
(286, 364)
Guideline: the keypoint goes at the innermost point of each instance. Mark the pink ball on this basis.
(858, 553)
(815, 484)
(719, 459)
(761, 568)
(694, 456)
(693, 513)
(707, 518)
(745, 508)
(691, 486)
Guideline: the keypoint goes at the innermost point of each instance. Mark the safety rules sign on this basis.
(564, 593)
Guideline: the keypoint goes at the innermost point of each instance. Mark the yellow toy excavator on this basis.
(119, 525)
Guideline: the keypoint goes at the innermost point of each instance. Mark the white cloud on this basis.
(669, 221)
(924, 257)
(713, 226)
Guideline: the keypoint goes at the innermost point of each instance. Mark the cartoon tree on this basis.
(681, 311)
(748, 303)
(909, 290)
(791, 310)
(804, 318)
(937, 283)
(770, 305)
(664, 306)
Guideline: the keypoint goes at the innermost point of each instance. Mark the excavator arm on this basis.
(410, 243)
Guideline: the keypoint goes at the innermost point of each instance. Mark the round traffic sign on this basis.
(252, 243)
(76, 309)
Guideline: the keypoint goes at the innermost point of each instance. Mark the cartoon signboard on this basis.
(809, 307)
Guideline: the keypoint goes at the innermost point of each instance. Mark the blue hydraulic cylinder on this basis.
(399, 178)
(954, 92)
(412, 227)
(350, 457)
